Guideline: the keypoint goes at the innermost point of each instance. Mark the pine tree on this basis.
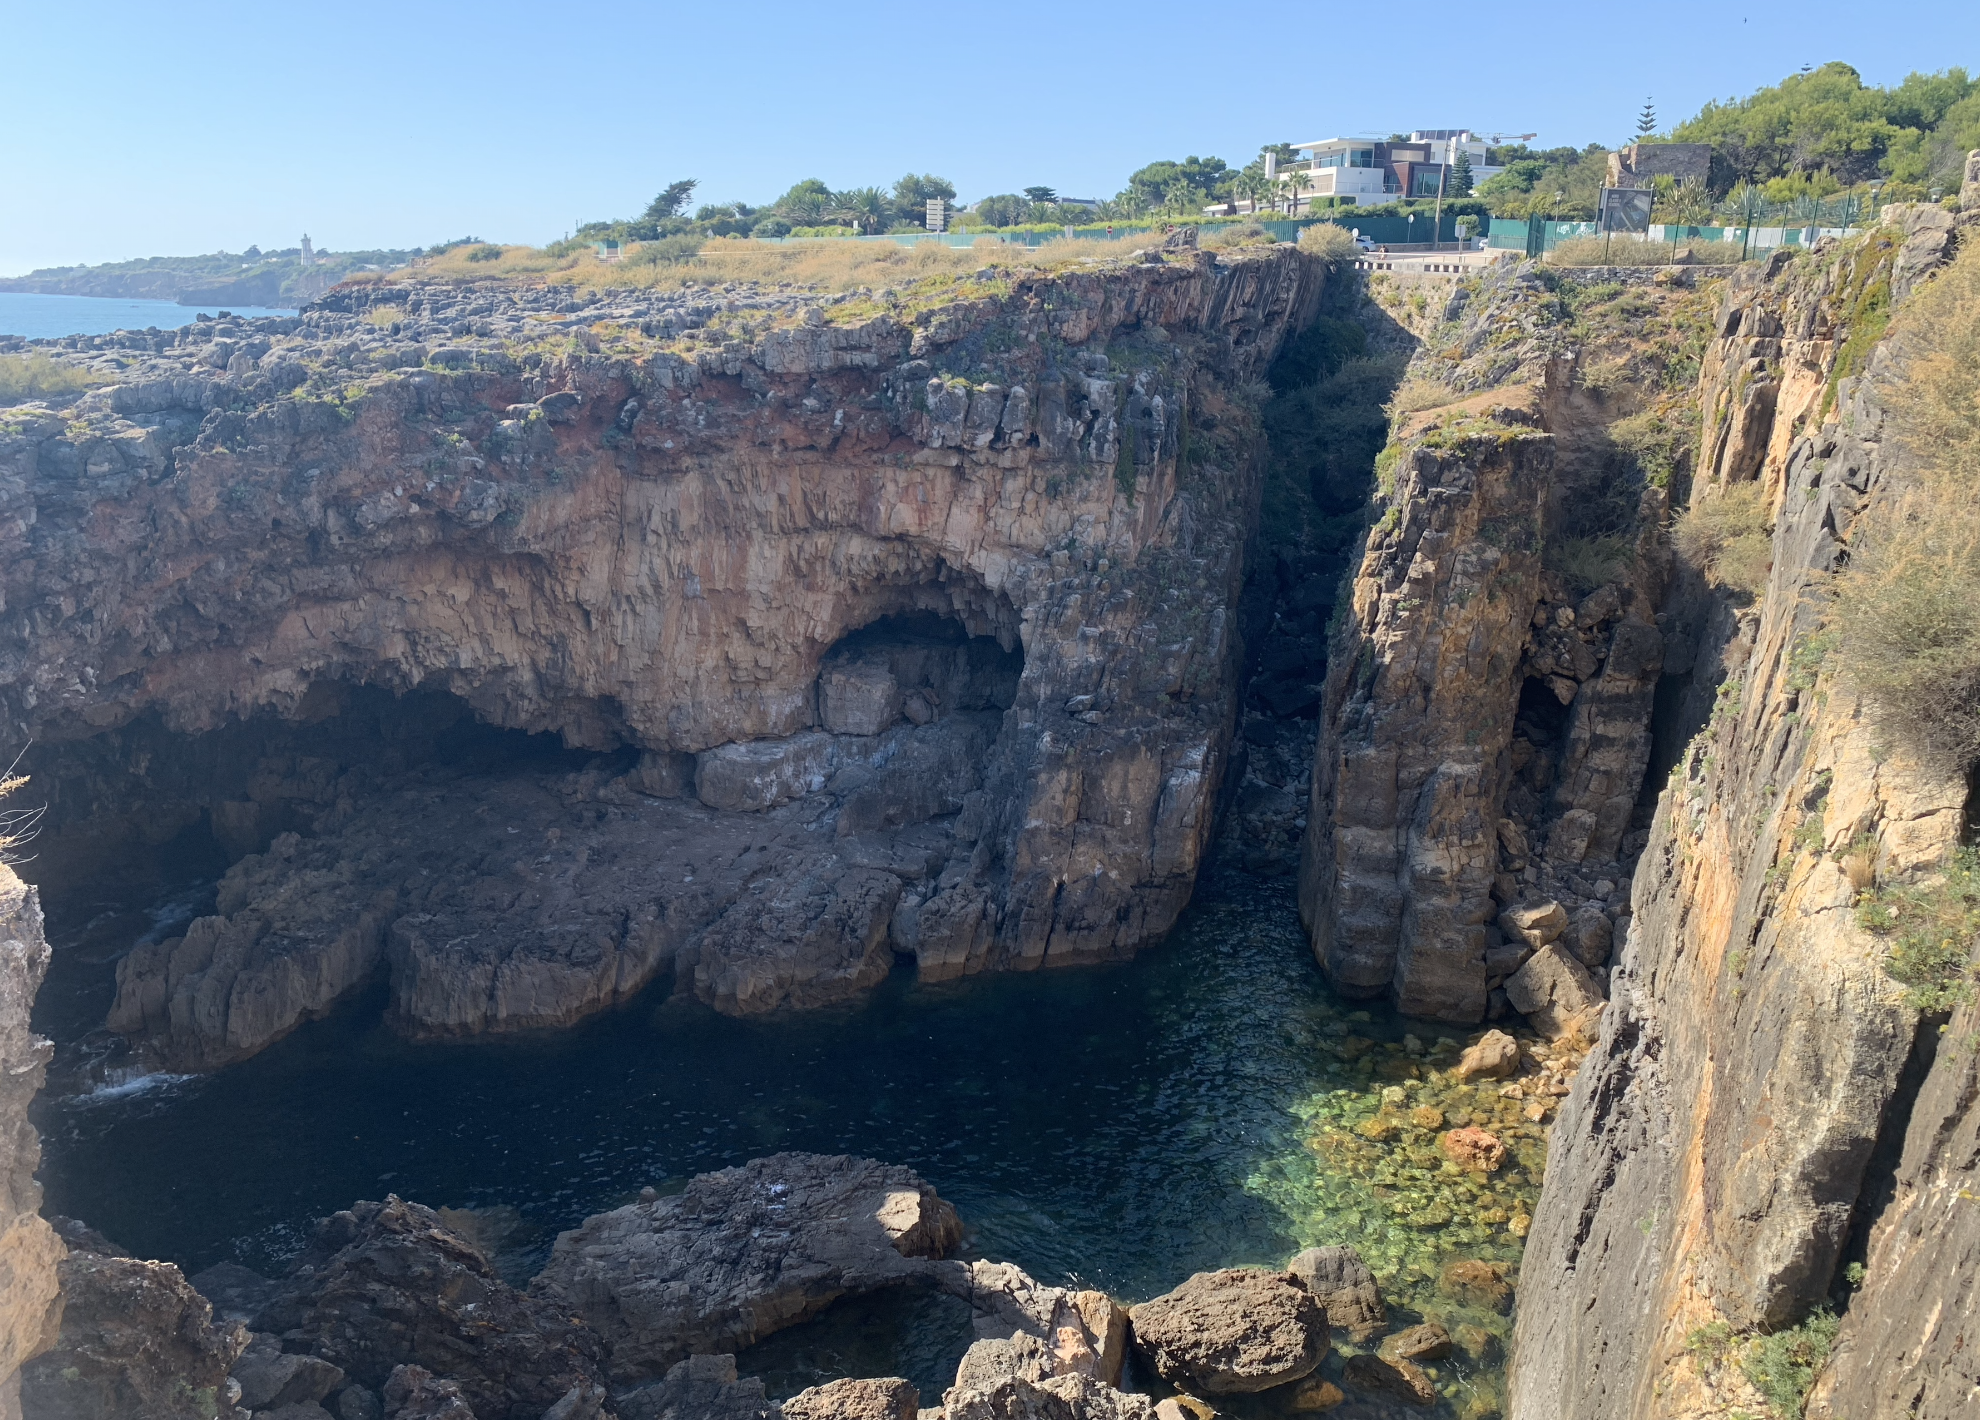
(1646, 122)
(1460, 179)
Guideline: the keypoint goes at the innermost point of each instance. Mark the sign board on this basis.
(938, 214)
(1626, 209)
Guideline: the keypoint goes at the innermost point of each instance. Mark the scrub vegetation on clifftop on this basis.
(1907, 614)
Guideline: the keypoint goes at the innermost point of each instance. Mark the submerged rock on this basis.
(1393, 1376)
(1236, 1330)
(742, 1253)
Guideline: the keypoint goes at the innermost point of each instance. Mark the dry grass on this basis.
(25, 377)
(1415, 395)
(1907, 611)
(1725, 533)
(827, 265)
(1628, 251)
(16, 825)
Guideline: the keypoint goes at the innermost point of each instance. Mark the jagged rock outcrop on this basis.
(136, 1340)
(386, 1286)
(742, 1253)
(657, 546)
(30, 1305)
(1485, 723)
(1713, 1161)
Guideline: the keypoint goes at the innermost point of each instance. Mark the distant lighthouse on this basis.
(308, 252)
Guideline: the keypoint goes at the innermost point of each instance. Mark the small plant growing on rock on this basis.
(1782, 1366)
(16, 825)
(1931, 925)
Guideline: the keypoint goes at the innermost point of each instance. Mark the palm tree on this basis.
(1296, 183)
(808, 210)
(866, 208)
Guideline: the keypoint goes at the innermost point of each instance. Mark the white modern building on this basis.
(1360, 171)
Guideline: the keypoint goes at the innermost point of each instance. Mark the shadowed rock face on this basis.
(1485, 724)
(136, 1340)
(660, 551)
(387, 1285)
(742, 1253)
(1716, 1161)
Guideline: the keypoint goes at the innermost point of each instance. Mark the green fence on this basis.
(1536, 237)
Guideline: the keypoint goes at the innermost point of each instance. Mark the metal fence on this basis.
(1536, 237)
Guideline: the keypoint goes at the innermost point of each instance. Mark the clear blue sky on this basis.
(148, 129)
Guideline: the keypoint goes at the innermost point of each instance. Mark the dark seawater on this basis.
(50, 317)
(1208, 1104)
(1096, 1124)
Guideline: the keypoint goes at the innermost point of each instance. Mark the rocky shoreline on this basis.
(390, 1314)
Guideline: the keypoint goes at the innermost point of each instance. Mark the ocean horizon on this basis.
(44, 317)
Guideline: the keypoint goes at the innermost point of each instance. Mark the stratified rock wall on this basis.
(658, 548)
(1709, 1168)
(30, 1310)
(1485, 724)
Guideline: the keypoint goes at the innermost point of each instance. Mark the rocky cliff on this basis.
(30, 1310)
(897, 623)
(1764, 1114)
(1485, 723)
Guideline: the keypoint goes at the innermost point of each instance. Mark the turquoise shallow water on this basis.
(48, 317)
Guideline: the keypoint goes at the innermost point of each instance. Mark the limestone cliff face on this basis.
(659, 549)
(1718, 1155)
(30, 1308)
(1485, 725)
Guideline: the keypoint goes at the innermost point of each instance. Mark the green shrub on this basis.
(487, 251)
(1235, 234)
(1907, 610)
(667, 251)
(1661, 451)
(1585, 563)
(25, 377)
(1327, 240)
(1931, 925)
(1782, 1366)
(1726, 535)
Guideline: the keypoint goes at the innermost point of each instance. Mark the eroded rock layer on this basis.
(1485, 725)
(910, 632)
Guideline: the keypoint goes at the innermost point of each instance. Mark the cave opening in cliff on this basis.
(918, 665)
(143, 820)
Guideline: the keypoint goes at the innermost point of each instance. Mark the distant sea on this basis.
(43, 317)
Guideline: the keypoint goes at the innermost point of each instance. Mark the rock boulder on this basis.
(137, 1343)
(1345, 1289)
(1237, 1330)
(742, 1253)
(1555, 993)
(385, 1285)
